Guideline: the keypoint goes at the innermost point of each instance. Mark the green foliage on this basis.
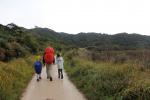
(14, 78)
(18, 42)
(31, 43)
(56, 39)
(98, 41)
(100, 80)
(35, 40)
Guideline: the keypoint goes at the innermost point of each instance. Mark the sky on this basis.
(74, 16)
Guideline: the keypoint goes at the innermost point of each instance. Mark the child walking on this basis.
(59, 62)
(38, 67)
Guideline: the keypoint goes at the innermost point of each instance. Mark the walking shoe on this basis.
(38, 80)
(62, 77)
(40, 77)
(47, 77)
(51, 79)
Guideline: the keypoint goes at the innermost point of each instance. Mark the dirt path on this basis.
(56, 90)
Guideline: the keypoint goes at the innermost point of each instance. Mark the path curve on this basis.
(56, 90)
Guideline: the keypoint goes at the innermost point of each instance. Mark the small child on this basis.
(38, 67)
(60, 61)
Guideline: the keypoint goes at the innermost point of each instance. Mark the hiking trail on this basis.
(58, 89)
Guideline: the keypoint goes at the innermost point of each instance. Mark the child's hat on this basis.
(37, 57)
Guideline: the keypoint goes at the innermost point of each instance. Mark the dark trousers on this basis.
(60, 73)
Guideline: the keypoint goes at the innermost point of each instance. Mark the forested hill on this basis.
(18, 41)
(121, 41)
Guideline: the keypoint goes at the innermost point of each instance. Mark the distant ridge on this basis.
(22, 41)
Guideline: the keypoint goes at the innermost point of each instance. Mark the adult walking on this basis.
(48, 60)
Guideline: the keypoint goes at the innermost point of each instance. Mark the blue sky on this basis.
(74, 16)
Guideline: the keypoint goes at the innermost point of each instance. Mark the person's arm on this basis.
(54, 60)
(62, 62)
(62, 59)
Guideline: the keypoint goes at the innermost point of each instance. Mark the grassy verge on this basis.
(109, 81)
(14, 77)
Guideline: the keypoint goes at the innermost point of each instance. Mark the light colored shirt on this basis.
(59, 62)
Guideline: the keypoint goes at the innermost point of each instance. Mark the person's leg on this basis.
(48, 71)
(61, 73)
(58, 73)
(40, 76)
(37, 77)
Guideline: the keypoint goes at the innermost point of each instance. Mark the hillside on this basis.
(51, 35)
(17, 41)
(121, 41)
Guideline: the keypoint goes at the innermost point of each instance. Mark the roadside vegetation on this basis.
(14, 77)
(110, 75)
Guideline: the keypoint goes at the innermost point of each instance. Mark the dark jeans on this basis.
(60, 73)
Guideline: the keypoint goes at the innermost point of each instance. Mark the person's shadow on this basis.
(49, 99)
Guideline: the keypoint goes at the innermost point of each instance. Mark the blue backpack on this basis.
(38, 67)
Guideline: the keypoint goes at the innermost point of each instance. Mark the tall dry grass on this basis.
(14, 77)
(110, 78)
